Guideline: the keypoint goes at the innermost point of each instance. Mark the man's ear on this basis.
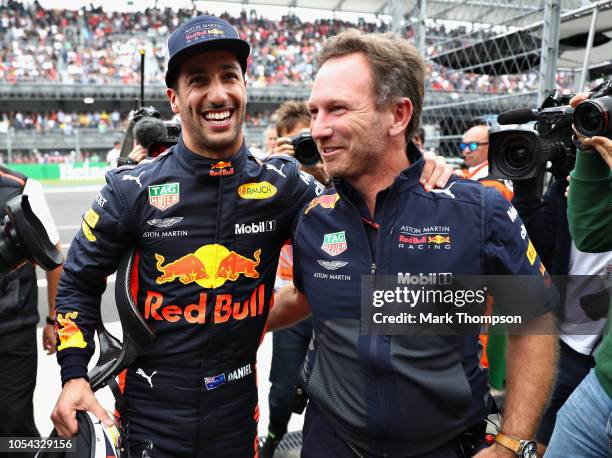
(172, 98)
(402, 114)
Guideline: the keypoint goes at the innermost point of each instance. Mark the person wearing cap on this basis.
(207, 221)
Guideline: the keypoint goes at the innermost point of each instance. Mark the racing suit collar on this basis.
(408, 178)
(203, 167)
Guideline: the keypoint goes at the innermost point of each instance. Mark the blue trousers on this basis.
(573, 368)
(584, 423)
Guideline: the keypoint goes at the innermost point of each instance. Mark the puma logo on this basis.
(446, 191)
(273, 167)
(148, 377)
(134, 178)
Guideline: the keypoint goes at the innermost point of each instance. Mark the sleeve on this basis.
(33, 189)
(589, 205)
(305, 188)
(519, 281)
(94, 254)
(297, 273)
(537, 215)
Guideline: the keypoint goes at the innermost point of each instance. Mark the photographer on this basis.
(584, 423)
(296, 120)
(547, 225)
(19, 317)
(148, 131)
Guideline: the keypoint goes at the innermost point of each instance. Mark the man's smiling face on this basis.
(210, 97)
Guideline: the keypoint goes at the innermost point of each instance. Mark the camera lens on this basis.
(306, 151)
(592, 117)
(518, 156)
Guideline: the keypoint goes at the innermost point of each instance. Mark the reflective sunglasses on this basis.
(473, 146)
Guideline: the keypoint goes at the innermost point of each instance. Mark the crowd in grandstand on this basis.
(66, 122)
(60, 121)
(91, 46)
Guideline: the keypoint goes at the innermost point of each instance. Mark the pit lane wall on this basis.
(77, 171)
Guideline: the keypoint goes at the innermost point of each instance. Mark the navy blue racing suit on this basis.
(208, 235)
(405, 394)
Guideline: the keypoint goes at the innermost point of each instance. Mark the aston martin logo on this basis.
(331, 265)
(165, 222)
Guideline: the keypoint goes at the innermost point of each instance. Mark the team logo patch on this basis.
(325, 201)
(163, 196)
(332, 265)
(91, 217)
(69, 334)
(531, 253)
(258, 191)
(334, 243)
(166, 222)
(221, 169)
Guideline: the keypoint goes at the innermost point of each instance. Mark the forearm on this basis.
(588, 206)
(290, 306)
(53, 278)
(531, 364)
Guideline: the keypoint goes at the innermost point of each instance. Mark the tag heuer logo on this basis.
(163, 196)
(334, 244)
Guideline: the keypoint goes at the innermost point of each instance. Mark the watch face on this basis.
(529, 450)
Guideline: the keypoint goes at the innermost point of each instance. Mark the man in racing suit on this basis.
(208, 222)
(406, 393)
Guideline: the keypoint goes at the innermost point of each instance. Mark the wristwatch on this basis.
(522, 448)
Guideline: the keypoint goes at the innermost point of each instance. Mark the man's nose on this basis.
(217, 93)
(320, 127)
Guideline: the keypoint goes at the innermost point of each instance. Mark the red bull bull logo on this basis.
(325, 201)
(221, 168)
(210, 266)
(438, 239)
(224, 308)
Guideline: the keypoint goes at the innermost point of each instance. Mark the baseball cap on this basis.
(201, 34)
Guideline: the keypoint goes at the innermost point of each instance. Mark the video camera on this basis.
(162, 143)
(305, 148)
(173, 131)
(518, 154)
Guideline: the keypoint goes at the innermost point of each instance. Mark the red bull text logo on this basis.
(210, 266)
(412, 239)
(224, 308)
(325, 201)
(221, 169)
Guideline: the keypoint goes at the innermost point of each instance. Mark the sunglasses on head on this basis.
(473, 146)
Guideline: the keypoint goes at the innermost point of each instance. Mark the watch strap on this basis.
(508, 441)
(50, 321)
